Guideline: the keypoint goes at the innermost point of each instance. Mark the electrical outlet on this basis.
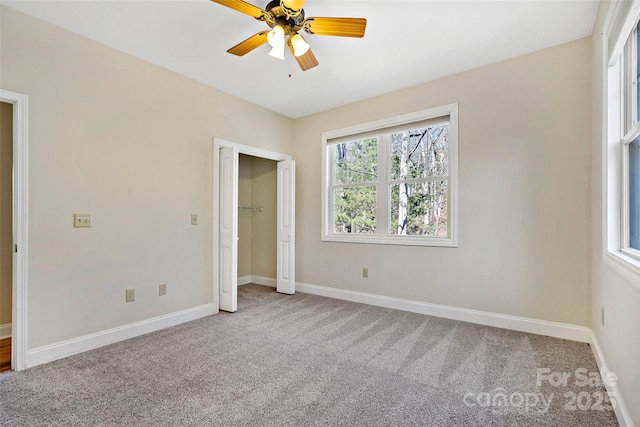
(130, 295)
(162, 290)
(81, 220)
(194, 219)
(602, 315)
(365, 272)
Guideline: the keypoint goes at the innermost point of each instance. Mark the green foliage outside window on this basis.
(417, 182)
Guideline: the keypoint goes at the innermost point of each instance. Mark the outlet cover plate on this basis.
(81, 220)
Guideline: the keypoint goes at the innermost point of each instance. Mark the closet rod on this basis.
(249, 208)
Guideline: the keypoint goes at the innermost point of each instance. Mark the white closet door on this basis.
(228, 273)
(286, 236)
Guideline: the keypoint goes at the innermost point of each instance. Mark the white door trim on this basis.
(242, 149)
(20, 225)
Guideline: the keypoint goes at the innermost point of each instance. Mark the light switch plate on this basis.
(194, 219)
(130, 295)
(82, 220)
(162, 290)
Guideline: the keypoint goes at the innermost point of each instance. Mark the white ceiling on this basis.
(406, 42)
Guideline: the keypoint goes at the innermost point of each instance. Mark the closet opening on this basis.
(267, 252)
(257, 220)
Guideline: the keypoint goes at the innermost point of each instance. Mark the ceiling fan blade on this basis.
(244, 7)
(293, 5)
(343, 27)
(306, 61)
(249, 44)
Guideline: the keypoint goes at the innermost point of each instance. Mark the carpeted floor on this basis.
(307, 360)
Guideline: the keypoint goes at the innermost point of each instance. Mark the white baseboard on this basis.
(522, 324)
(620, 408)
(264, 281)
(257, 280)
(62, 349)
(5, 331)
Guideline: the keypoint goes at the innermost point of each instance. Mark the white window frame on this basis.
(631, 128)
(620, 128)
(382, 215)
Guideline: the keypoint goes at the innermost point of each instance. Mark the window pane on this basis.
(419, 209)
(634, 194)
(355, 210)
(637, 76)
(356, 161)
(420, 153)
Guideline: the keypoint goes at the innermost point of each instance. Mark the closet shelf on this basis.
(249, 209)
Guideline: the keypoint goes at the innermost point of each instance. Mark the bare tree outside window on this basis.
(393, 181)
(419, 161)
(418, 171)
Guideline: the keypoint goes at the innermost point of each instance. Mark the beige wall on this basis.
(523, 201)
(6, 208)
(619, 338)
(263, 258)
(245, 218)
(130, 143)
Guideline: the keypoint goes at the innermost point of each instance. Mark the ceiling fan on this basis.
(286, 19)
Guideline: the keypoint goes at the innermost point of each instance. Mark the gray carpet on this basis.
(307, 360)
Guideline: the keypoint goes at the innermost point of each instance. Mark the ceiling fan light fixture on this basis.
(300, 46)
(275, 37)
(285, 18)
(277, 52)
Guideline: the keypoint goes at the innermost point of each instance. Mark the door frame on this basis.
(20, 225)
(219, 143)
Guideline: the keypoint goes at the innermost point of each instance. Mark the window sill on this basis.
(625, 265)
(391, 240)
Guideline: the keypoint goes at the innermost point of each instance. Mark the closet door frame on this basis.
(218, 144)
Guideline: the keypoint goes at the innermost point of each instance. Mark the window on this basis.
(392, 181)
(634, 194)
(621, 145)
(630, 230)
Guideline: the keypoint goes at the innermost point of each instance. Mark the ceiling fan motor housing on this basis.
(290, 20)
